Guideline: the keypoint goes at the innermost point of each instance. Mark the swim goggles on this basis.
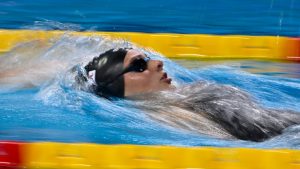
(137, 65)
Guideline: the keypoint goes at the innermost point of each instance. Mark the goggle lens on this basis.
(139, 64)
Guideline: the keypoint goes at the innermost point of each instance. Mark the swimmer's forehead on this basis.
(131, 55)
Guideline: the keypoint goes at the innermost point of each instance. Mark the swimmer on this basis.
(217, 110)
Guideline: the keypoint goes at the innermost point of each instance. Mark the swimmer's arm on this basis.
(184, 119)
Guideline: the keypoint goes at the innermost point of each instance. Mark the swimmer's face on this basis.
(152, 79)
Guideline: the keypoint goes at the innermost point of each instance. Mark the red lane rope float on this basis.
(10, 154)
(291, 49)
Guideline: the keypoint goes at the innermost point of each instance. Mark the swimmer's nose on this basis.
(156, 65)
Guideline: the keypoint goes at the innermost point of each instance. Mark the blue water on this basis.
(251, 17)
(52, 110)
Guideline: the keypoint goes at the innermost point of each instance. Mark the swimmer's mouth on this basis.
(165, 78)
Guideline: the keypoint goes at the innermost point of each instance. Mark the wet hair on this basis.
(108, 68)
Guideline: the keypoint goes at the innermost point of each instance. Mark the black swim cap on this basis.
(109, 67)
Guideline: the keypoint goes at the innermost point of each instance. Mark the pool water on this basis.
(52, 110)
(247, 17)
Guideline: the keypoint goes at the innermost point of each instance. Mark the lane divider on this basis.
(10, 154)
(53, 155)
(187, 46)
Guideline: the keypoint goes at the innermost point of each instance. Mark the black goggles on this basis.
(137, 65)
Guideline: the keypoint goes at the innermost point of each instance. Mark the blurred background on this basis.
(243, 17)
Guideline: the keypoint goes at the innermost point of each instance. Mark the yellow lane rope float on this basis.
(47, 155)
(187, 46)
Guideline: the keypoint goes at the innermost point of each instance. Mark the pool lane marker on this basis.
(10, 154)
(184, 46)
(296, 48)
(54, 155)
